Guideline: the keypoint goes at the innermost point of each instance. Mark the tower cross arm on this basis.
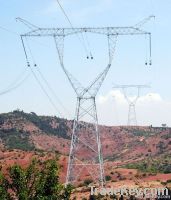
(97, 30)
(125, 87)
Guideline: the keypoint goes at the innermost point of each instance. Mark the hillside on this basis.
(19, 130)
(129, 152)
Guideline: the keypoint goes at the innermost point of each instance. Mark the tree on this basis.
(39, 181)
(3, 192)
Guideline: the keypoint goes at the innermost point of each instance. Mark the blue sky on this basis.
(128, 66)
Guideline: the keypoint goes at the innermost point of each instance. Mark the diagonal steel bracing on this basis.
(132, 118)
(85, 152)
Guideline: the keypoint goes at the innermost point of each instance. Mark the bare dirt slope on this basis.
(132, 155)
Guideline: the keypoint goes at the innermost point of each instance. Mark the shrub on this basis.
(16, 140)
(108, 178)
(87, 182)
(34, 183)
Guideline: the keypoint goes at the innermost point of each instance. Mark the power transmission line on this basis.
(132, 119)
(88, 44)
(45, 92)
(15, 84)
(42, 76)
(17, 79)
(45, 80)
(11, 88)
(9, 31)
(81, 41)
(86, 101)
(52, 91)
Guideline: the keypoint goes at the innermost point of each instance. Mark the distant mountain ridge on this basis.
(28, 131)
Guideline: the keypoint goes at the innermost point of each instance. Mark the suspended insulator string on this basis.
(38, 81)
(28, 64)
(88, 44)
(84, 44)
(44, 79)
(25, 52)
(33, 59)
(146, 51)
(150, 61)
(69, 21)
(16, 86)
(45, 92)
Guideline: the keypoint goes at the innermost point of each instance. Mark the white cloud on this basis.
(115, 94)
(150, 97)
(150, 108)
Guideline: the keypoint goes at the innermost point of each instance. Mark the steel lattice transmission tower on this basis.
(132, 118)
(85, 136)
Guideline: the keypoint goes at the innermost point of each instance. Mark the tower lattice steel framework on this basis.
(85, 136)
(132, 118)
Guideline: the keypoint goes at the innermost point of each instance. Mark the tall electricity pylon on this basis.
(132, 118)
(85, 151)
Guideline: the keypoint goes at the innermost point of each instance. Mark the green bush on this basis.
(107, 178)
(34, 183)
(87, 182)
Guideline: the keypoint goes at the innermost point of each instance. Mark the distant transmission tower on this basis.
(132, 118)
(85, 137)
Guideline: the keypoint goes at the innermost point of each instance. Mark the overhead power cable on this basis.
(28, 45)
(52, 91)
(36, 77)
(139, 25)
(15, 86)
(81, 41)
(45, 80)
(45, 92)
(16, 83)
(17, 79)
(17, 34)
(9, 31)
(88, 44)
